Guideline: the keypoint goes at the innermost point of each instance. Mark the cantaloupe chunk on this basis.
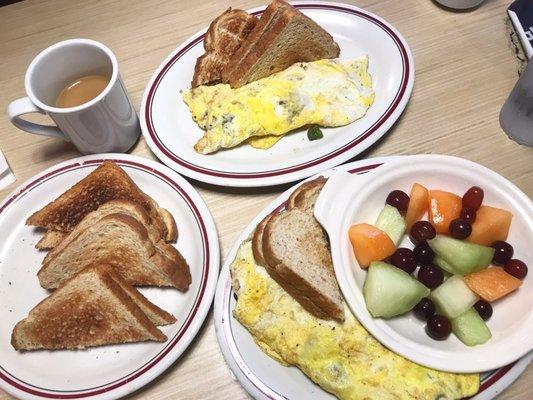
(370, 244)
(443, 208)
(491, 224)
(418, 204)
(492, 283)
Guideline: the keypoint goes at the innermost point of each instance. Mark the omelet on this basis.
(324, 92)
(343, 358)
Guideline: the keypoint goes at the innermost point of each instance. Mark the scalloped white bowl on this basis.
(348, 199)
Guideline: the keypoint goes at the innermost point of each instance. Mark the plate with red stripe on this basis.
(106, 372)
(266, 379)
(171, 133)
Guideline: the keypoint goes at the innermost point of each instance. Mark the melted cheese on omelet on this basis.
(325, 92)
(343, 358)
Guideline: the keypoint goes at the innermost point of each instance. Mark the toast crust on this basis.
(144, 264)
(223, 37)
(298, 196)
(266, 36)
(299, 204)
(265, 22)
(156, 315)
(107, 182)
(50, 239)
(71, 319)
(257, 241)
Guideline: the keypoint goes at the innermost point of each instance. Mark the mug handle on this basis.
(25, 106)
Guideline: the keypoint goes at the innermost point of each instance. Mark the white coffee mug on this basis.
(107, 123)
(460, 4)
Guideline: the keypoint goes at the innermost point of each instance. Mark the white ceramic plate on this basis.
(171, 133)
(360, 199)
(262, 377)
(110, 371)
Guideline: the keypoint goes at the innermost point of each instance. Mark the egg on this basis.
(343, 358)
(325, 92)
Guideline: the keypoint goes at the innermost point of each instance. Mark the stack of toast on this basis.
(241, 49)
(294, 249)
(105, 236)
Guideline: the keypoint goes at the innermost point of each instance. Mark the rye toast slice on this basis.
(303, 197)
(121, 241)
(107, 182)
(267, 20)
(296, 254)
(257, 241)
(287, 37)
(91, 309)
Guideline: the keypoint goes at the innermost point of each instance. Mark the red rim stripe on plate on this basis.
(254, 380)
(399, 96)
(87, 392)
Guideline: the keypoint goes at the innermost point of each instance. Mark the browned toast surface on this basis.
(224, 36)
(122, 241)
(283, 37)
(294, 249)
(257, 241)
(91, 309)
(49, 240)
(157, 315)
(107, 182)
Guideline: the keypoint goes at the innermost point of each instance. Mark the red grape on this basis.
(399, 200)
(460, 229)
(516, 268)
(422, 231)
(484, 309)
(473, 198)
(503, 252)
(423, 253)
(468, 214)
(439, 327)
(431, 276)
(424, 309)
(404, 258)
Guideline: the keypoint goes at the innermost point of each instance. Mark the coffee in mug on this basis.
(77, 84)
(81, 90)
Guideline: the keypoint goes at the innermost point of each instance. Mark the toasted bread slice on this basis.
(107, 182)
(305, 195)
(123, 242)
(296, 254)
(50, 240)
(282, 37)
(126, 207)
(257, 241)
(224, 36)
(91, 309)
(155, 314)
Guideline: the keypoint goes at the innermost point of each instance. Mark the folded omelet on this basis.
(343, 358)
(324, 92)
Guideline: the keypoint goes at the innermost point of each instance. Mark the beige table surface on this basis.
(464, 70)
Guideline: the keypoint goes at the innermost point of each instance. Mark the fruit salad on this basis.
(459, 264)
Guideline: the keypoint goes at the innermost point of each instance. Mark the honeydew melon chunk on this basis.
(392, 223)
(470, 328)
(453, 297)
(390, 291)
(464, 257)
(442, 264)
